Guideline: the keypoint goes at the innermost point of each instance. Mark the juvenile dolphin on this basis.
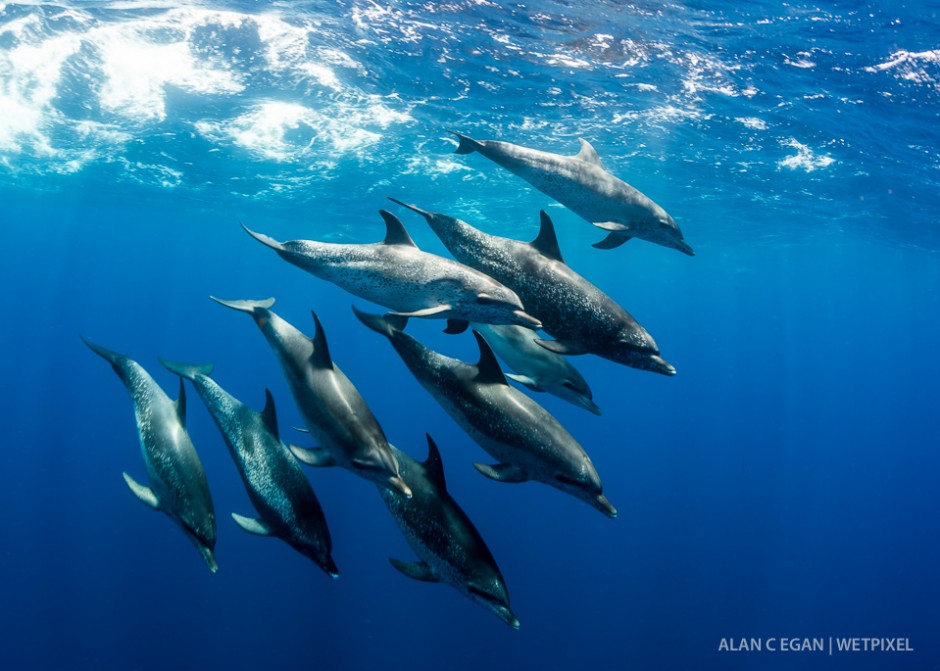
(583, 185)
(397, 275)
(178, 485)
(581, 317)
(449, 548)
(278, 489)
(332, 409)
(536, 367)
(526, 440)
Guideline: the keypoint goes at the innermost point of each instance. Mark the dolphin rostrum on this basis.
(397, 275)
(583, 185)
(449, 548)
(287, 507)
(527, 442)
(581, 317)
(178, 485)
(333, 410)
(536, 367)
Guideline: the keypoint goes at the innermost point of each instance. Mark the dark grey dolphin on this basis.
(278, 489)
(581, 317)
(332, 409)
(178, 485)
(397, 275)
(536, 367)
(581, 184)
(527, 441)
(449, 547)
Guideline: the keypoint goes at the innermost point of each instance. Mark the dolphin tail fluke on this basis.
(245, 306)
(189, 371)
(388, 325)
(108, 355)
(467, 144)
(264, 239)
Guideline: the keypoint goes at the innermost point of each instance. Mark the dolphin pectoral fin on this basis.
(417, 570)
(251, 525)
(525, 380)
(245, 306)
(561, 346)
(145, 494)
(424, 312)
(313, 456)
(502, 472)
(612, 241)
(455, 326)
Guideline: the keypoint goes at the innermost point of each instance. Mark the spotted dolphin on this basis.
(333, 411)
(583, 185)
(581, 317)
(397, 275)
(449, 548)
(178, 486)
(287, 506)
(527, 441)
(536, 367)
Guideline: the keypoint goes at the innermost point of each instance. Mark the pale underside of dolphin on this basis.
(178, 484)
(583, 185)
(397, 275)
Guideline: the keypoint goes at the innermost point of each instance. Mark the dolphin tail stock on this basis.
(246, 306)
(467, 144)
(388, 325)
(189, 371)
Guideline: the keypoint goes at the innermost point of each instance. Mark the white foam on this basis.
(752, 122)
(804, 159)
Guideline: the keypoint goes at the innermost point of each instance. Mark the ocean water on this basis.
(782, 485)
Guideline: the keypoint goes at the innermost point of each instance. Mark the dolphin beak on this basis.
(209, 557)
(397, 484)
(329, 566)
(589, 405)
(601, 503)
(684, 247)
(660, 365)
(527, 320)
(506, 615)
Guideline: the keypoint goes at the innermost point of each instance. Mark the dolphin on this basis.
(278, 489)
(178, 485)
(581, 317)
(449, 548)
(332, 409)
(583, 185)
(397, 275)
(521, 435)
(536, 367)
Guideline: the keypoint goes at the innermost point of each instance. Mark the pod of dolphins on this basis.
(506, 290)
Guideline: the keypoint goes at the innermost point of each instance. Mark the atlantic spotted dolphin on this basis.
(527, 441)
(449, 548)
(581, 317)
(178, 486)
(583, 185)
(333, 411)
(397, 275)
(536, 367)
(287, 507)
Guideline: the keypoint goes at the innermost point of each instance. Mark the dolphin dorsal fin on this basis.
(546, 242)
(181, 404)
(434, 465)
(321, 352)
(587, 154)
(269, 414)
(489, 370)
(395, 232)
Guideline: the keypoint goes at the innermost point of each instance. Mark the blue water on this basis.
(782, 484)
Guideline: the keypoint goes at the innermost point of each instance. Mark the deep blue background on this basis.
(783, 483)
